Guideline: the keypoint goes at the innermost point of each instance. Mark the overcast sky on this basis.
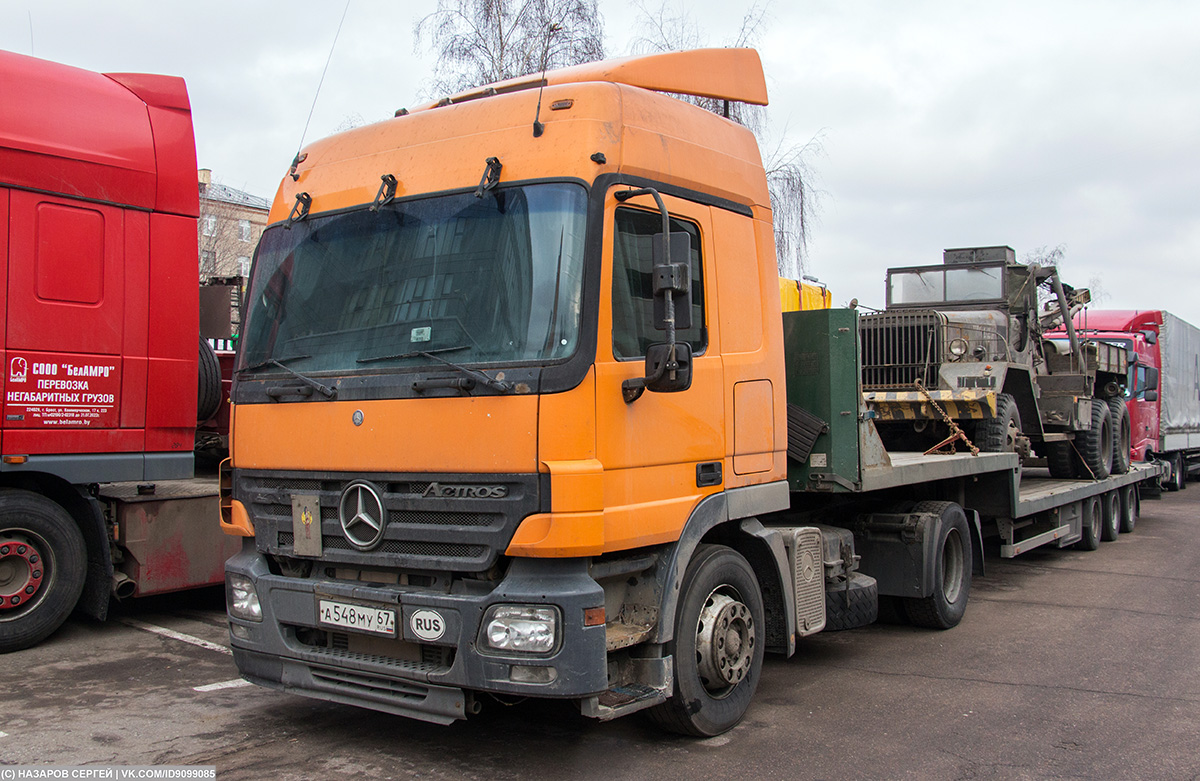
(943, 124)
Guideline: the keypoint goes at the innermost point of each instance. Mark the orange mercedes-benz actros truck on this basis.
(517, 414)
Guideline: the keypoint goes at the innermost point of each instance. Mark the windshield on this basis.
(946, 284)
(496, 279)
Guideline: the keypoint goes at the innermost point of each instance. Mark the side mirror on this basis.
(1150, 395)
(1151, 378)
(1151, 337)
(672, 277)
(664, 375)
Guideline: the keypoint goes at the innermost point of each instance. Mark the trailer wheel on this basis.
(43, 561)
(1095, 446)
(718, 645)
(1091, 524)
(999, 434)
(1131, 508)
(1118, 412)
(852, 605)
(1111, 504)
(208, 385)
(945, 607)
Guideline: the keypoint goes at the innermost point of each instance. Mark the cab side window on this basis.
(633, 290)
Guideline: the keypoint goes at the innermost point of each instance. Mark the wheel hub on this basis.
(21, 573)
(725, 638)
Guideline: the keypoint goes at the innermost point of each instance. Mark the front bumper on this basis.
(407, 675)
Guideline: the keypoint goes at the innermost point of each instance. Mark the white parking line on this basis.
(212, 687)
(171, 633)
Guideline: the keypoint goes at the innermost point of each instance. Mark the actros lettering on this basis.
(438, 491)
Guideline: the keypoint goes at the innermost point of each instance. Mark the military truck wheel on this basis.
(1091, 524)
(852, 605)
(999, 434)
(945, 607)
(1131, 508)
(1111, 519)
(1095, 446)
(1060, 458)
(1119, 414)
(718, 645)
(43, 561)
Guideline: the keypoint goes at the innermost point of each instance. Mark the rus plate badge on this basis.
(306, 525)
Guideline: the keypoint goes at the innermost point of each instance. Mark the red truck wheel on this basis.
(718, 645)
(43, 561)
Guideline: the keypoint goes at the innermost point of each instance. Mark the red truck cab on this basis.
(1137, 332)
(99, 322)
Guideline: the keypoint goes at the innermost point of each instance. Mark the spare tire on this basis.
(852, 604)
(208, 386)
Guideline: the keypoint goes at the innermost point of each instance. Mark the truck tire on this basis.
(849, 606)
(1094, 447)
(43, 562)
(1060, 459)
(1131, 508)
(718, 645)
(1118, 412)
(999, 434)
(945, 607)
(1111, 519)
(1092, 514)
(1179, 472)
(208, 385)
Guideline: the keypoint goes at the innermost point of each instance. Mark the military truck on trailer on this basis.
(518, 413)
(962, 353)
(105, 374)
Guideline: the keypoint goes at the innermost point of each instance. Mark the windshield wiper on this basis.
(491, 382)
(324, 390)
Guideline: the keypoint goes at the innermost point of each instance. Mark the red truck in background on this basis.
(1163, 392)
(105, 373)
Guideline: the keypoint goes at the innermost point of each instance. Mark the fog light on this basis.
(242, 598)
(239, 631)
(528, 629)
(523, 674)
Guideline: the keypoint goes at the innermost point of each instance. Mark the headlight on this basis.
(529, 629)
(242, 598)
(958, 348)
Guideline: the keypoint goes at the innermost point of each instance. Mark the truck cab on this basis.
(492, 347)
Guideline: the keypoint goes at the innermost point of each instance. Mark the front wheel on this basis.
(718, 645)
(43, 562)
(945, 607)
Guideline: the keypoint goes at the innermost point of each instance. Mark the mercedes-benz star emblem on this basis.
(362, 515)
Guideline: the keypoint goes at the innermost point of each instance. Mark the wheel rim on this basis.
(725, 641)
(952, 566)
(25, 571)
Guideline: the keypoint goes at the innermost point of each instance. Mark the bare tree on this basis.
(1054, 256)
(789, 169)
(479, 42)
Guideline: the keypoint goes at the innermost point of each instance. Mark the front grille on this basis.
(406, 548)
(900, 348)
(432, 533)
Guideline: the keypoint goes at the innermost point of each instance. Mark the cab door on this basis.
(662, 453)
